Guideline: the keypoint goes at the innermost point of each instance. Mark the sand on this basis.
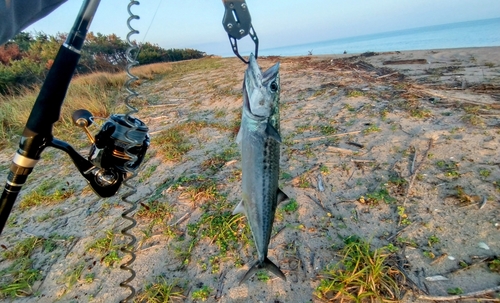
(428, 133)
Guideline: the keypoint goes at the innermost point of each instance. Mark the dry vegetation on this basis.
(393, 176)
(99, 93)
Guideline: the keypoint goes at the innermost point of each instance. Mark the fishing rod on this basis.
(118, 148)
(37, 134)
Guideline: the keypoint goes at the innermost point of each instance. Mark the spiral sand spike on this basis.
(128, 248)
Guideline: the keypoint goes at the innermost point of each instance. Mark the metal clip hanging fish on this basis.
(238, 23)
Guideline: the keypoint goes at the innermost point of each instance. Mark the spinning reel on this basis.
(117, 149)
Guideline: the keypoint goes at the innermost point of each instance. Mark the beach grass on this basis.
(100, 93)
(361, 275)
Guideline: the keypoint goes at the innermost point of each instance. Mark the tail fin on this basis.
(267, 264)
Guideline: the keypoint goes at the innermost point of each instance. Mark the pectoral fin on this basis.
(239, 209)
(272, 132)
(239, 137)
(281, 196)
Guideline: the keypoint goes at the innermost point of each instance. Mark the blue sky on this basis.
(198, 23)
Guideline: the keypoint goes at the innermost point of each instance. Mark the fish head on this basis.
(261, 89)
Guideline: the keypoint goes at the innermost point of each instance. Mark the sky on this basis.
(198, 23)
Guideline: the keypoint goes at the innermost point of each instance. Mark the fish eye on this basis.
(273, 86)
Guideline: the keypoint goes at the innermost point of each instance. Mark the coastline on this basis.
(478, 63)
(478, 33)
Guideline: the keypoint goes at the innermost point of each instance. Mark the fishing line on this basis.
(152, 20)
(147, 31)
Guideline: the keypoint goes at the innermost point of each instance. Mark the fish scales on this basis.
(260, 164)
(259, 141)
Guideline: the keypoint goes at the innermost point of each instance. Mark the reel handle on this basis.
(83, 118)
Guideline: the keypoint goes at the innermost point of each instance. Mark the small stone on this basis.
(483, 245)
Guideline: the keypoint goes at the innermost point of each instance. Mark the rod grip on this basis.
(9, 195)
(47, 107)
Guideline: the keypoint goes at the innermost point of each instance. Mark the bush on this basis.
(27, 58)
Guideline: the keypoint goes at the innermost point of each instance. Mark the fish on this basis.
(259, 140)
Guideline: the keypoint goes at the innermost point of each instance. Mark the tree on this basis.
(23, 40)
(9, 52)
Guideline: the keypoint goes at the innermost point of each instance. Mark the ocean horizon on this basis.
(477, 33)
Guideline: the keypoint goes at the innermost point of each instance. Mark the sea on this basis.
(476, 33)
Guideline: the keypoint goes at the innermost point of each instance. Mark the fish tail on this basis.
(266, 264)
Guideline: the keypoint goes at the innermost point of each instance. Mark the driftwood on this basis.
(450, 97)
(410, 61)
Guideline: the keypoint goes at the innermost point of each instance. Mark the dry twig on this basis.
(318, 202)
(363, 161)
(295, 179)
(398, 232)
(181, 219)
(220, 285)
(326, 137)
(414, 174)
(387, 75)
(412, 169)
(439, 259)
(334, 149)
(464, 296)
(469, 266)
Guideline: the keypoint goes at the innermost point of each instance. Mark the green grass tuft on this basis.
(161, 291)
(217, 161)
(381, 195)
(46, 194)
(17, 279)
(291, 206)
(361, 276)
(106, 249)
(202, 293)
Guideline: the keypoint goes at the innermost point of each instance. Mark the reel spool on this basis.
(118, 144)
(117, 149)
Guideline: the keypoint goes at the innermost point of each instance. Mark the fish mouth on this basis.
(259, 88)
(253, 80)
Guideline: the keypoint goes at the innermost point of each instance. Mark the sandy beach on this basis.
(418, 129)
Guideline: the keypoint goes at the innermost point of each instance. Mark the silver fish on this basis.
(259, 140)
